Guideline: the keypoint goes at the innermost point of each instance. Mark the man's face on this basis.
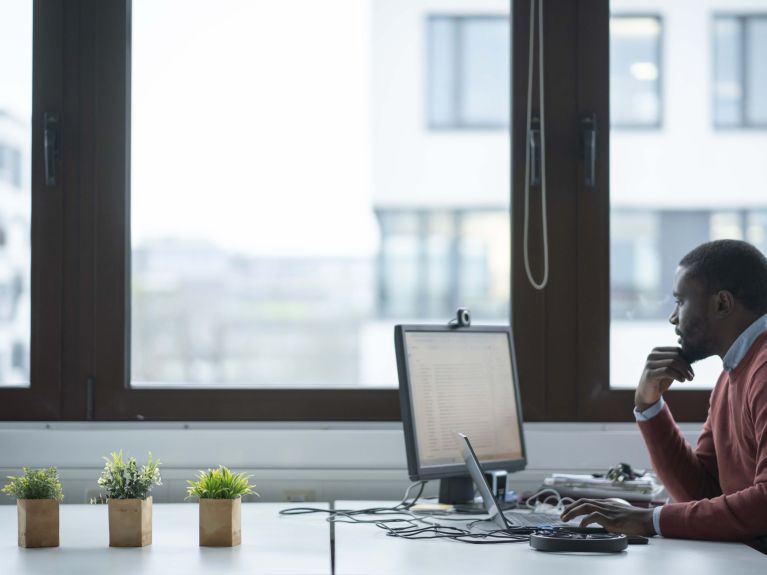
(693, 316)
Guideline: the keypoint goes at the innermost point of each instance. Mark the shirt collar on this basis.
(743, 343)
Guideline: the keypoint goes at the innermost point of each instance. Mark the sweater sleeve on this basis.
(687, 474)
(738, 516)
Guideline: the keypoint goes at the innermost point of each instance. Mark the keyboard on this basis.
(517, 519)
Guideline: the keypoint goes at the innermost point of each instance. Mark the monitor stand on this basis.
(454, 490)
(459, 492)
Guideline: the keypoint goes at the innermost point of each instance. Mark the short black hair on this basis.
(731, 265)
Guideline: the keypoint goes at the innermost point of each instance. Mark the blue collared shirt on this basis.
(730, 361)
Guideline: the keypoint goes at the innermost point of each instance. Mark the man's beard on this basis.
(693, 353)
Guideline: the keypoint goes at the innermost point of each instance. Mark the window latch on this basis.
(589, 149)
(51, 147)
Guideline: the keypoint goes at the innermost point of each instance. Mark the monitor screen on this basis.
(458, 381)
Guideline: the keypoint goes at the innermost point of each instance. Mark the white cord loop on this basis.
(544, 226)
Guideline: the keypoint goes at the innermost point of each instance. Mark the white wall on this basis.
(315, 461)
(413, 166)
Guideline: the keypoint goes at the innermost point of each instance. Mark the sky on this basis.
(251, 125)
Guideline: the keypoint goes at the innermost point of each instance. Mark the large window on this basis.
(234, 208)
(299, 246)
(740, 77)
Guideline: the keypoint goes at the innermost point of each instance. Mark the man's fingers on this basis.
(677, 364)
(672, 353)
(662, 372)
(582, 507)
(598, 518)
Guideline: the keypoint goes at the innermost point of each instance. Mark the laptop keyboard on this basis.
(532, 519)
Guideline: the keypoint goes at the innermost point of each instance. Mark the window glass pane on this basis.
(289, 203)
(440, 245)
(635, 71)
(674, 188)
(441, 71)
(484, 65)
(15, 189)
(468, 71)
(756, 96)
(400, 264)
(485, 255)
(728, 84)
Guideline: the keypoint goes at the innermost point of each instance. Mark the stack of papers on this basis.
(575, 486)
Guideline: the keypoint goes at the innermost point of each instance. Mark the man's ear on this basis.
(725, 303)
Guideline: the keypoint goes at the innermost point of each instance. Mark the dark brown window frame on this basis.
(564, 352)
(81, 268)
(41, 400)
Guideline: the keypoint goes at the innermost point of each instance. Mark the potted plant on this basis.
(38, 493)
(220, 493)
(130, 505)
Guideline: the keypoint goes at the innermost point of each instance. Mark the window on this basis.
(32, 235)
(468, 72)
(740, 78)
(635, 71)
(256, 261)
(236, 240)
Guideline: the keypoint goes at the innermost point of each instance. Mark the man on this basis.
(720, 487)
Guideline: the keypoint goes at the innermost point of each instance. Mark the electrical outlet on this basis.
(299, 495)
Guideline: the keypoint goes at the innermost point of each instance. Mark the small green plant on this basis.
(124, 480)
(220, 484)
(35, 484)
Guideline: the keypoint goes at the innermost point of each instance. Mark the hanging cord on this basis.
(544, 226)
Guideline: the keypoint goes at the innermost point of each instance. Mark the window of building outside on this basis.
(276, 238)
(635, 71)
(15, 190)
(468, 71)
(740, 77)
(685, 183)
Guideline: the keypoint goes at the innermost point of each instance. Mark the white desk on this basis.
(271, 543)
(367, 550)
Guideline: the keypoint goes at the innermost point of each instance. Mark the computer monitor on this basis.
(458, 380)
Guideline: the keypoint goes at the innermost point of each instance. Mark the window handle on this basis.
(535, 152)
(51, 145)
(589, 149)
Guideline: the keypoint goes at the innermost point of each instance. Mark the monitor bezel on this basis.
(415, 470)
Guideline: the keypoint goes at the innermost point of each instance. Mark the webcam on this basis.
(462, 318)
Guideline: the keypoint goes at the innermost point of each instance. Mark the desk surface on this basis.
(271, 543)
(365, 549)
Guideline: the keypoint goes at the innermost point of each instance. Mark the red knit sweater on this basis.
(720, 487)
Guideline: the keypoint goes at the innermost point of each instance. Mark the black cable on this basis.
(402, 506)
(415, 527)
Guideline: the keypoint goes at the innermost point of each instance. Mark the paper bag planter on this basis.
(38, 522)
(130, 522)
(220, 522)
(220, 493)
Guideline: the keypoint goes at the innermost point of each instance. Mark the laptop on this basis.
(508, 519)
